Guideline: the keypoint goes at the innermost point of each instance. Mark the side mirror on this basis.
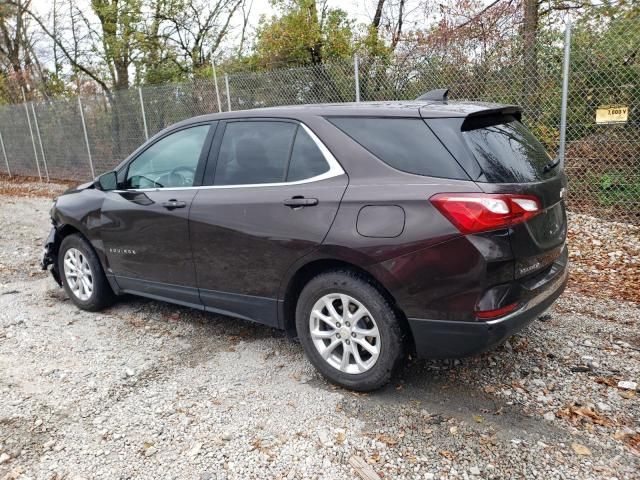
(107, 181)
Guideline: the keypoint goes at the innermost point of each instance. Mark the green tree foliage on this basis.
(303, 32)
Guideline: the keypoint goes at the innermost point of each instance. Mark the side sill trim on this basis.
(162, 298)
(182, 295)
(247, 307)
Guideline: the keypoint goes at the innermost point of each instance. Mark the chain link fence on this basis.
(76, 138)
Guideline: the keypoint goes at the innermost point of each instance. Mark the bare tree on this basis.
(198, 27)
(16, 53)
(246, 12)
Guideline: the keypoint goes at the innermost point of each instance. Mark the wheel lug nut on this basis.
(337, 335)
(353, 335)
(338, 324)
(347, 324)
(347, 341)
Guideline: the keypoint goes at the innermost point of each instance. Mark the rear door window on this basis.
(406, 144)
(506, 150)
(254, 152)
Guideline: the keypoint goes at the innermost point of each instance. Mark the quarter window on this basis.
(170, 162)
(406, 144)
(254, 152)
(306, 158)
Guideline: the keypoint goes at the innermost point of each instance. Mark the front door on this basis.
(145, 224)
(271, 200)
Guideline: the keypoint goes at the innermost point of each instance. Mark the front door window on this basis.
(170, 162)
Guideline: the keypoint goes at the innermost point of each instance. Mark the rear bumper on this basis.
(453, 339)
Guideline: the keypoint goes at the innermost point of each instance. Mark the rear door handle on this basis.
(173, 203)
(298, 202)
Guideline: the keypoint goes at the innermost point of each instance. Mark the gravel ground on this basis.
(150, 390)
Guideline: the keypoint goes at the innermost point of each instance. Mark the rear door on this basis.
(509, 159)
(272, 193)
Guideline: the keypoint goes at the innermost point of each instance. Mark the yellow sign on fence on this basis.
(612, 114)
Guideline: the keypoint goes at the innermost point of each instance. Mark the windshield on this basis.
(506, 150)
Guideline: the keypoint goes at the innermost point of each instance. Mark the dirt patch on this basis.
(20, 186)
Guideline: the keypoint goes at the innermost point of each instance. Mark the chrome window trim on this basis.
(335, 170)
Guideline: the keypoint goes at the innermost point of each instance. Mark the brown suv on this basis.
(371, 229)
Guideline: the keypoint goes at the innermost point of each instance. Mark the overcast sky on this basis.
(360, 10)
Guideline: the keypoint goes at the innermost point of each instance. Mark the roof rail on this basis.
(437, 95)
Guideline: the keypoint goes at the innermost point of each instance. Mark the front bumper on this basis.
(453, 339)
(50, 256)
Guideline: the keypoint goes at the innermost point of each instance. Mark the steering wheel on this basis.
(181, 180)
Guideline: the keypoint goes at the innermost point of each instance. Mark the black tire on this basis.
(391, 335)
(102, 295)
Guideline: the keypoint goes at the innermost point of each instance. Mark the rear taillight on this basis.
(479, 212)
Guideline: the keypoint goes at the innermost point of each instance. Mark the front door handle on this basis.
(173, 203)
(299, 202)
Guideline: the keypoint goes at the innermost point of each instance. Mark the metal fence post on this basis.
(565, 91)
(357, 75)
(33, 140)
(144, 116)
(86, 137)
(6, 159)
(44, 159)
(215, 81)
(226, 82)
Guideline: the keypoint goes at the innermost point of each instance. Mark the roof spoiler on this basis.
(437, 95)
(514, 110)
(491, 116)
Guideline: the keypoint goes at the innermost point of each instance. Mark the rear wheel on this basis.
(349, 331)
(82, 275)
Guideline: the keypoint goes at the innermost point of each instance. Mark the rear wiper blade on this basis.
(551, 165)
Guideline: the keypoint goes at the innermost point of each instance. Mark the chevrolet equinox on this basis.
(371, 230)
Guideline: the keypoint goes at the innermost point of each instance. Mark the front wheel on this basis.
(82, 275)
(349, 331)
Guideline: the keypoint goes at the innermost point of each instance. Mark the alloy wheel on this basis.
(78, 273)
(345, 333)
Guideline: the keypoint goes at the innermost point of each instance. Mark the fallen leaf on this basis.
(478, 418)
(633, 441)
(487, 440)
(341, 437)
(609, 381)
(388, 440)
(580, 449)
(619, 435)
(627, 394)
(447, 454)
(580, 414)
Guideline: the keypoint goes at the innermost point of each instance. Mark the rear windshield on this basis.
(406, 144)
(506, 150)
